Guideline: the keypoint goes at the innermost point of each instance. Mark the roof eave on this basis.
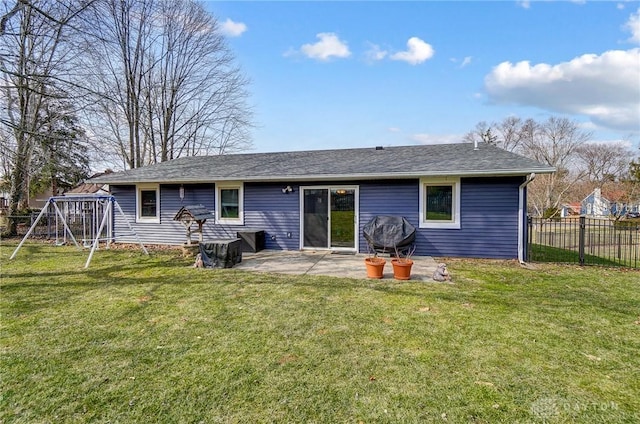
(337, 177)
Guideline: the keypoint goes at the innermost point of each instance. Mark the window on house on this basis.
(229, 201)
(148, 203)
(440, 203)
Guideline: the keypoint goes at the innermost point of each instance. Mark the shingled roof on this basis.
(460, 159)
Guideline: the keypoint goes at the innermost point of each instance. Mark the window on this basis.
(440, 203)
(148, 203)
(229, 203)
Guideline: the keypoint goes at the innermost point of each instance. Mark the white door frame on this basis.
(356, 223)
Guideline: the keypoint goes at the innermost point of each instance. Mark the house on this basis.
(596, 205)
(39, 200)
(85, 188)
(569, 210)
(464, 200)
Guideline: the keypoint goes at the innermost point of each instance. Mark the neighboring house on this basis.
(595, 205)
(39, 200)
(464, 201)
(569, 210)
(84, 189)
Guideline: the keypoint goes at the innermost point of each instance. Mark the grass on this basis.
(342, 228)
(149, 339)
(606, 242)
(543, 253)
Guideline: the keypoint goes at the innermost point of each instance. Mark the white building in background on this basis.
(594, 205)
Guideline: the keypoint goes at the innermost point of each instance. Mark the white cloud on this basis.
(417, 52)
(466, 61)
(375, 53)
(232, 29)
(633, 26)
(603, 87)
(425, 138)
(525, 4)
(394, 129)
(329, 46)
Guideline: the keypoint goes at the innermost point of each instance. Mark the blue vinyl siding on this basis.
(265, 208)
(488, 207)
(392, 197)
(167, 231)
(488, 216)
(489, 220)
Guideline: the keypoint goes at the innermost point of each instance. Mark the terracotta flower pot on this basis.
(375, 267)
(402, 268)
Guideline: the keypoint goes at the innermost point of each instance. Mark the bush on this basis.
(627, 224)
(552, 213)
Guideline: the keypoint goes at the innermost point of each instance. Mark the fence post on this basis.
(581, 239)
(528, 239)
(619, 246)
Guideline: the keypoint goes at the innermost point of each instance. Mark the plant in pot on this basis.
(402, 264)
(374, 264)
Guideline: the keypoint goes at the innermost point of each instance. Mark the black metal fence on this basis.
(585, 241)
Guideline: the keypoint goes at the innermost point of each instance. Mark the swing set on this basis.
(88, 218)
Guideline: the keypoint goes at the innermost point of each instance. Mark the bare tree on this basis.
(506, 134)
(166, 83)
(634, 170)
(480, 134)
(33, 59)
(510, 132)
(117, 45)
(605, 161)
(554, 142)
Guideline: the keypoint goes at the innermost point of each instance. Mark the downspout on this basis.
(521, 216)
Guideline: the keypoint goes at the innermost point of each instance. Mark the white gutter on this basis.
(326, 177)
(521, 216)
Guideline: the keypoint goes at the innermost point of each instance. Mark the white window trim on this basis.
(455, 222)
(147, 219)
(233, 185)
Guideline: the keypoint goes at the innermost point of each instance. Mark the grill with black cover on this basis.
(388, 233)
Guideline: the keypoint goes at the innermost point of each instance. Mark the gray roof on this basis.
(459, 159)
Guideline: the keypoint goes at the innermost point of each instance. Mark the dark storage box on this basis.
(221, 253)
(251, 240)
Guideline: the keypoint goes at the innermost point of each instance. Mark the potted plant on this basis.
(402, 264)
(374, 264)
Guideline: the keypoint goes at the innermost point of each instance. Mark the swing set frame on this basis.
(97, 205)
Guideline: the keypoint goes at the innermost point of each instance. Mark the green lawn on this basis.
(149, 339)
(543, 253)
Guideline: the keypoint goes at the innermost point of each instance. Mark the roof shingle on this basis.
(460, 159)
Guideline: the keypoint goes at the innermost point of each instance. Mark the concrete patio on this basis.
(327, 263)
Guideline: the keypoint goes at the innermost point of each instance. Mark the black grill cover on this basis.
(387, 233)
(221, 253)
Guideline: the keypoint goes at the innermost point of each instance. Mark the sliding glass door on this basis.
(329, 218)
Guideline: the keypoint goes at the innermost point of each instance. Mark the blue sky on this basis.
(361, 74)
